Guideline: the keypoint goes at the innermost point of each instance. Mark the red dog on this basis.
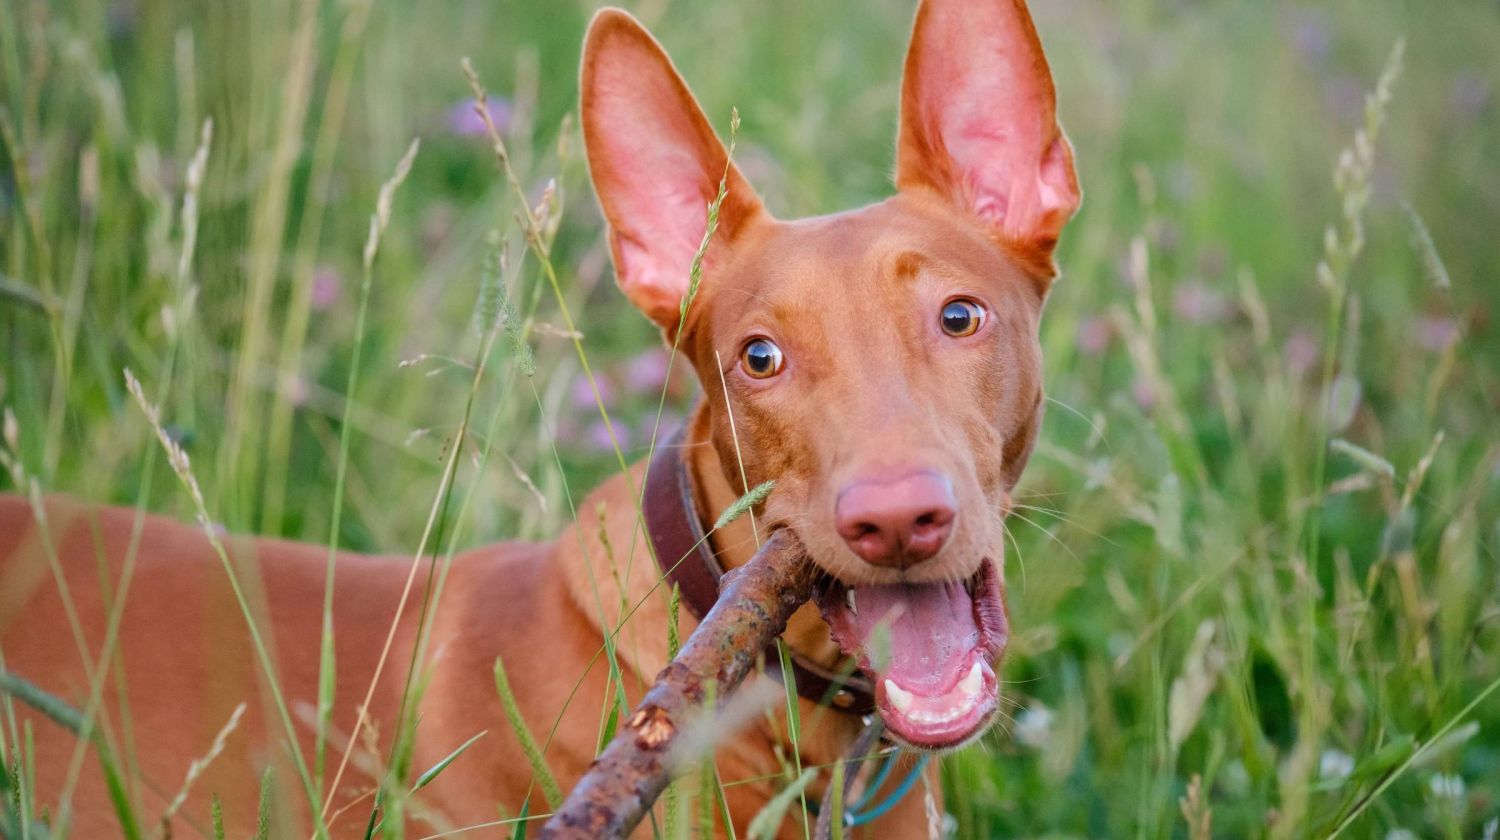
(881, 365)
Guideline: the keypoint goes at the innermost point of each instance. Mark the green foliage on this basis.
(767, 823)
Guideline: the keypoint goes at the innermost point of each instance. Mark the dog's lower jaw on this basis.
(933, 649)
(947, 721)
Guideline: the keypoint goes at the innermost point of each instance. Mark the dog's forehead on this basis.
(856, 261)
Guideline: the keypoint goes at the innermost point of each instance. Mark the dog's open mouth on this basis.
(932, 649)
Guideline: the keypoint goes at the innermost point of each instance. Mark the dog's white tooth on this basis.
(899, 697)
(849, 600)
(972, 682)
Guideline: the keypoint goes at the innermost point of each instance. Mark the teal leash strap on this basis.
(866, 744)
(886, 765)
(862, 811)
(858, 815)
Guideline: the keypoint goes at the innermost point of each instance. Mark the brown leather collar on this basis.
(687, 559)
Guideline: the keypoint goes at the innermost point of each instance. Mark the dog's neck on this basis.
(610, 581)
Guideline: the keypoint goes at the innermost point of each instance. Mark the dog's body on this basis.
(881, 365)
(188, 662)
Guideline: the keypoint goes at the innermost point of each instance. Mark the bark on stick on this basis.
(754, 604)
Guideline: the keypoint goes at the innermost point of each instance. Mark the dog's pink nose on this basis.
(897, 522)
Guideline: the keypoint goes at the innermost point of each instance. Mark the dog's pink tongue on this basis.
(930, 628)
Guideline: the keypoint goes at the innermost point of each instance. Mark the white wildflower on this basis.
(1335, 766)
(1447, 787)
(1034, 726)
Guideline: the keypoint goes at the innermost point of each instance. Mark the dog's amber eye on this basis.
(962, 317)
(762, 358)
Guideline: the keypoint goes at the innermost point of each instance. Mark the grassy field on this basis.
(1256, 575)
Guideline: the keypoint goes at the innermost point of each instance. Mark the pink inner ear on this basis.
(989, 155)
(983, 97)
(657, 244)
(655, 162)
(995, 165)
(651, 174)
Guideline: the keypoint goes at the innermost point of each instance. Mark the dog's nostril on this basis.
(932, 521)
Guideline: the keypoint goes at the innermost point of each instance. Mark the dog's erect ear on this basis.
(656, 164)
(979, 119)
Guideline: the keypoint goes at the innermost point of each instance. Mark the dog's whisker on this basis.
(1071, 522)
(1020, 559)
(1049, 534)
(1093, 427)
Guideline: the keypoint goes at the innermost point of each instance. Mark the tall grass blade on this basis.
(767, 821)
(59, 712)
(671, 819)
(216, 817)
(695, 271)
(519, 831)
(199, 765)
(674, 628)
(611, 725)
(1433, 267)
(435, 770)
(182, 466)
(1364, 457)
(379, 220)
(263, 809)
(708, 783)
(539, 769)
(55, 708)
(836, 801)
(1415, 756)
(793, 708)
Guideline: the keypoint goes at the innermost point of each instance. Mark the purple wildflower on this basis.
(1302, 352)
(1094, 335)
(1197, 303)
(1436, 333)
(596, 437)
(464, 119)
(327, 288)
(581, 395)
(646, 373)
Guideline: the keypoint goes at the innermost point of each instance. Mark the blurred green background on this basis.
(1231, 566)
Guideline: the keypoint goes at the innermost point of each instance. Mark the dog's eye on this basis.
(962, 317)
(761, 358)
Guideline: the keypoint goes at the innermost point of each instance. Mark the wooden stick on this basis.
(754, 604)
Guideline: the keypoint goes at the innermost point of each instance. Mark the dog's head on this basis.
(882, 364)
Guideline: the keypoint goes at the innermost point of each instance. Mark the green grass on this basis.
(1260, 538)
